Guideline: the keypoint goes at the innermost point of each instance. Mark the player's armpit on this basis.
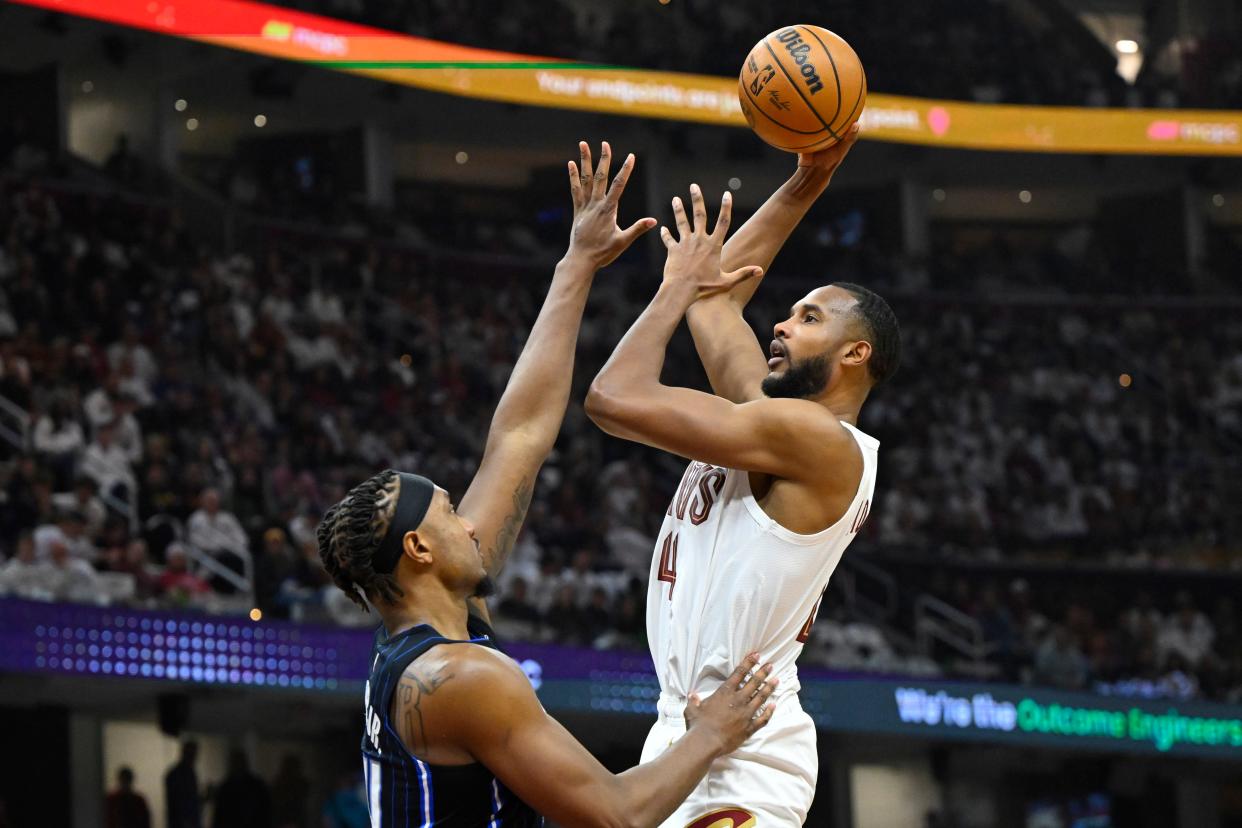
(789, 438)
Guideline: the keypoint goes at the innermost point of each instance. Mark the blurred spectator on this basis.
(291, 795)
(563, 618)
(277, 573)
(218, 533)
(22, 574)
(242, 799)
(346, 806)
(1186, 634)
(126, 808)
(516, 604)
(69, 531)
(58, 438)
(596, 616)
(107, 463)
(177, 582)
(83, 501)
(130, 348)
(68, 578)
(1059, 662)
(132, 559)
(181, 790)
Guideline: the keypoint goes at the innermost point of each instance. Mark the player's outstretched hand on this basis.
(694, 255)
(595, 234)
(831, 158)
(738, 707)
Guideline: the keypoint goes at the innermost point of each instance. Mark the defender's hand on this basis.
(738, 708)
(694, 257)
(829, 159)
(595, 233)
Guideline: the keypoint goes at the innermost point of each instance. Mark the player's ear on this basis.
(415, 548)
(857, 353)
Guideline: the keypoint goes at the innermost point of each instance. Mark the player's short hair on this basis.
(351, 532)
(881, 328)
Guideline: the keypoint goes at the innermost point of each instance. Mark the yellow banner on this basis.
(525, 79)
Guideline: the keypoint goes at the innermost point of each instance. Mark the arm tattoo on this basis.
(507, 536)
(411, 690)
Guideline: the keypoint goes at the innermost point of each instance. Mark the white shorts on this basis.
(769, 781)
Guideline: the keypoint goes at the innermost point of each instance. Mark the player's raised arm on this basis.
(530, 411)
(490, 710)
(734, 360)
(788, 438)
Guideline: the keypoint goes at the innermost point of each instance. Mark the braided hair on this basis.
(351, 532)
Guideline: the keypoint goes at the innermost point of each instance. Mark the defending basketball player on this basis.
(454, 734)
(781, 480)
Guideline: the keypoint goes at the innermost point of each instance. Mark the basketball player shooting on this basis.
(781, 480)
(454, 734)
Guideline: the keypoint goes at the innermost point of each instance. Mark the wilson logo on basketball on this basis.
(798, 49)
(725, 818)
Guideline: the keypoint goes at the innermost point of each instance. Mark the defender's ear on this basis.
(414, 548)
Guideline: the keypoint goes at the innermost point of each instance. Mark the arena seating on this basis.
(1012, 435)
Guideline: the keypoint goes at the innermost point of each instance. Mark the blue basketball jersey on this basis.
(402, 790)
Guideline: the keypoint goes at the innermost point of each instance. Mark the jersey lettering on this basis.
(668, 563)
(864, 512)
(810, 621)
(371, 721)
(710, 485)
(697, 493)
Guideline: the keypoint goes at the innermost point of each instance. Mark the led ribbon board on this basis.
(193, 649)
(277, 32)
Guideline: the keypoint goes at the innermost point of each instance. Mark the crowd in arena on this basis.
(191, 415)
(999, 54)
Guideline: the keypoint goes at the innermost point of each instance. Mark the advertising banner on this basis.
(196, 649)
(452, 69)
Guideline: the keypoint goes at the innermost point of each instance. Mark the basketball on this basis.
(801, 88)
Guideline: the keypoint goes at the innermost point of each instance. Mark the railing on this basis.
(936, 622)
(16, 437)
(19, 441)
(204, 561)
(870, 591)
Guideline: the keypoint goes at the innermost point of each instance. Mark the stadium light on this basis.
(1127, 47)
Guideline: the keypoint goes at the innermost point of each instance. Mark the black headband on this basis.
(412, 503)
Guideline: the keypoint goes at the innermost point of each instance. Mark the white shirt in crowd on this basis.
(216, 533)
(48, 439)
(108, 467)
(49, 534)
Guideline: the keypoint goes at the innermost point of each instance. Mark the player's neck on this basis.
(844, 403)
(431, 605)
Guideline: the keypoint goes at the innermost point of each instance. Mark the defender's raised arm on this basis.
(530, 411)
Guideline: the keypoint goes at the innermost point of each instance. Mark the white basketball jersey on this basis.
(727, 580)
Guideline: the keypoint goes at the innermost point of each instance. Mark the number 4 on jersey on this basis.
(668, 563)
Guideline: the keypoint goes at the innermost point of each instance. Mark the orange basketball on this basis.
(801, 88)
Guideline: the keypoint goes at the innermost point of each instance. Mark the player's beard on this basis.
(801, 380)
(485, 588)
